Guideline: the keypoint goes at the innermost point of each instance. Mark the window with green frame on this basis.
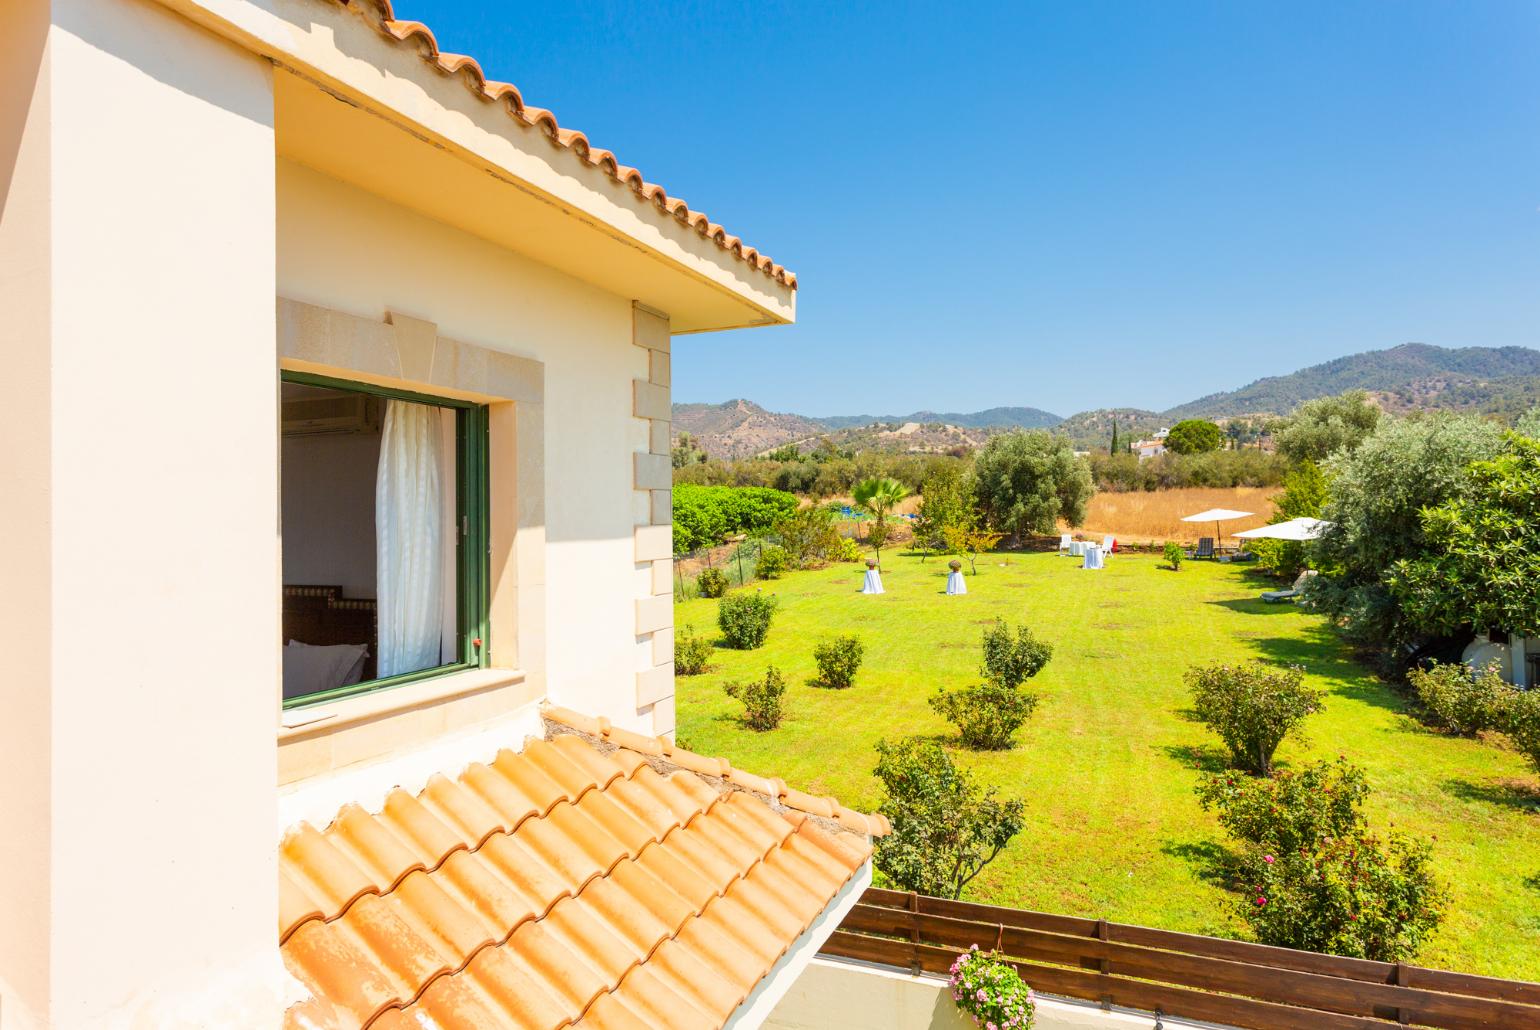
(384, 537)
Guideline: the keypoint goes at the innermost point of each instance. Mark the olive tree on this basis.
(1025, 482)
(1320, 428)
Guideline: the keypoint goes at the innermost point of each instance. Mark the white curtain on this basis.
(408, 523)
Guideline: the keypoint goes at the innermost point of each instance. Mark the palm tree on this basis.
(879, 496)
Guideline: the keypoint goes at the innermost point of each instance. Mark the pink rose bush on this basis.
(991, 992)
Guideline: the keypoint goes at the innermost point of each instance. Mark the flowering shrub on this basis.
(1521, 721)
(1292, 810)
(846, 550)
(991, 992)
(1352, 895)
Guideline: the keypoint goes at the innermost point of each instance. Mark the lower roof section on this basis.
(572, 883)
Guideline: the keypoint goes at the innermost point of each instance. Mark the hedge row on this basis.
(706, 515)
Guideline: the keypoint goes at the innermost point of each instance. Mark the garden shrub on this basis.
(946, 828)
(1292, 810)
(762, 699)
(1174, 555)
(1311, 875)
(692, 654)
(848, 550)
(991, 992)
(711, 583)
(838, 659)
(809, 535)
(1521, 721)
(985, 714)
(705, 515)
(772, 562)
(745, 619)
(1353, 895)
(1012, 659)
(1253, 706)
(1460, 699)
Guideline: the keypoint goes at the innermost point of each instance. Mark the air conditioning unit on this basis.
(326, 415)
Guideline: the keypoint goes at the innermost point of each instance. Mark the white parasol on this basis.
(1216, 516)
(1295, 529)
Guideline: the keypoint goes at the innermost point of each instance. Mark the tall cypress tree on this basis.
(1114, 447)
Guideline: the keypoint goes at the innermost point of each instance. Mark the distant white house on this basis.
(1150, 448)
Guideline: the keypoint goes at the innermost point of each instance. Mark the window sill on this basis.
(328, 717)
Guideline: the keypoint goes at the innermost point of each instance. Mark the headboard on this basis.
(321, 615)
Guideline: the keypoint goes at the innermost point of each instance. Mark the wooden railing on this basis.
(1179, 974)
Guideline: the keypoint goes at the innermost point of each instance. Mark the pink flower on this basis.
(1261, 901)
(981, 995)
(1268, 859)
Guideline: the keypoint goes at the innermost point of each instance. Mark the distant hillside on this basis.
(1467, 370)
(740, 428)
(1013, 418)
(1091, 429)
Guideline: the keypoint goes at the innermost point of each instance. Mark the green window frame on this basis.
(473, 540)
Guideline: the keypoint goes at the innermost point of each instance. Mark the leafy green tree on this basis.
(1025, 482)
(1322, 427)
(946, 827)
(1482, 567)
(1194, 436)
(1529, 424)
(1113, 448)
(687, 451)
(943, 505)
(1376, 497)
(1304, 493)
(879, 496)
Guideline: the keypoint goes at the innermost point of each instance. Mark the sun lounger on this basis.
(1205, 548)
(1279, 596)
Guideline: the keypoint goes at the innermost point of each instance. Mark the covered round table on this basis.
(1093, 557)
(872, 584)
(954, 580)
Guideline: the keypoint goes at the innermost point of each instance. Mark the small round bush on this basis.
(991, 992)
(762, 699)
(1010, 660)
(846, 550)
(773, 563)
(1174, 554)
(1253, 706)
(1459, 699)
(1521, 721)
(744, 619)
(692, 654)
(838, 659)
(986, 714)
(711, 583)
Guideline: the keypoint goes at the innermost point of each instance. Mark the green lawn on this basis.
(1108, 762)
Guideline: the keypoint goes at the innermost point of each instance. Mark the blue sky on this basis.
(1068, 205)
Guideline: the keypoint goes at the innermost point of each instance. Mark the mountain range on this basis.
(1502, 381)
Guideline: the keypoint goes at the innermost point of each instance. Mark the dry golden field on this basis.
(1152, 517)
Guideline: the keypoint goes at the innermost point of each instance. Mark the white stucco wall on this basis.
(346, 249)
(832, 994)
(156, 656)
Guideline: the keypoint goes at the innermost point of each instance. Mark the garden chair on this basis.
(1064, 541)
(1279, 596)
(1205, 548)
(1108, 544)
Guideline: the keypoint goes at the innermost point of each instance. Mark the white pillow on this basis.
(312, 668)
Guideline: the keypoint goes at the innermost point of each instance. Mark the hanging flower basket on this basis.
(991, 992)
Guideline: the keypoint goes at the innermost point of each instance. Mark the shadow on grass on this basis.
(1203, 757)
(1255, 606)
(1532, 881)
(1521, 795)
(1210, 860)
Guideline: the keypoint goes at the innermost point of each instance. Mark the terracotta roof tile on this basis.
(380, 14)
(634, 746)
(568, 884)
